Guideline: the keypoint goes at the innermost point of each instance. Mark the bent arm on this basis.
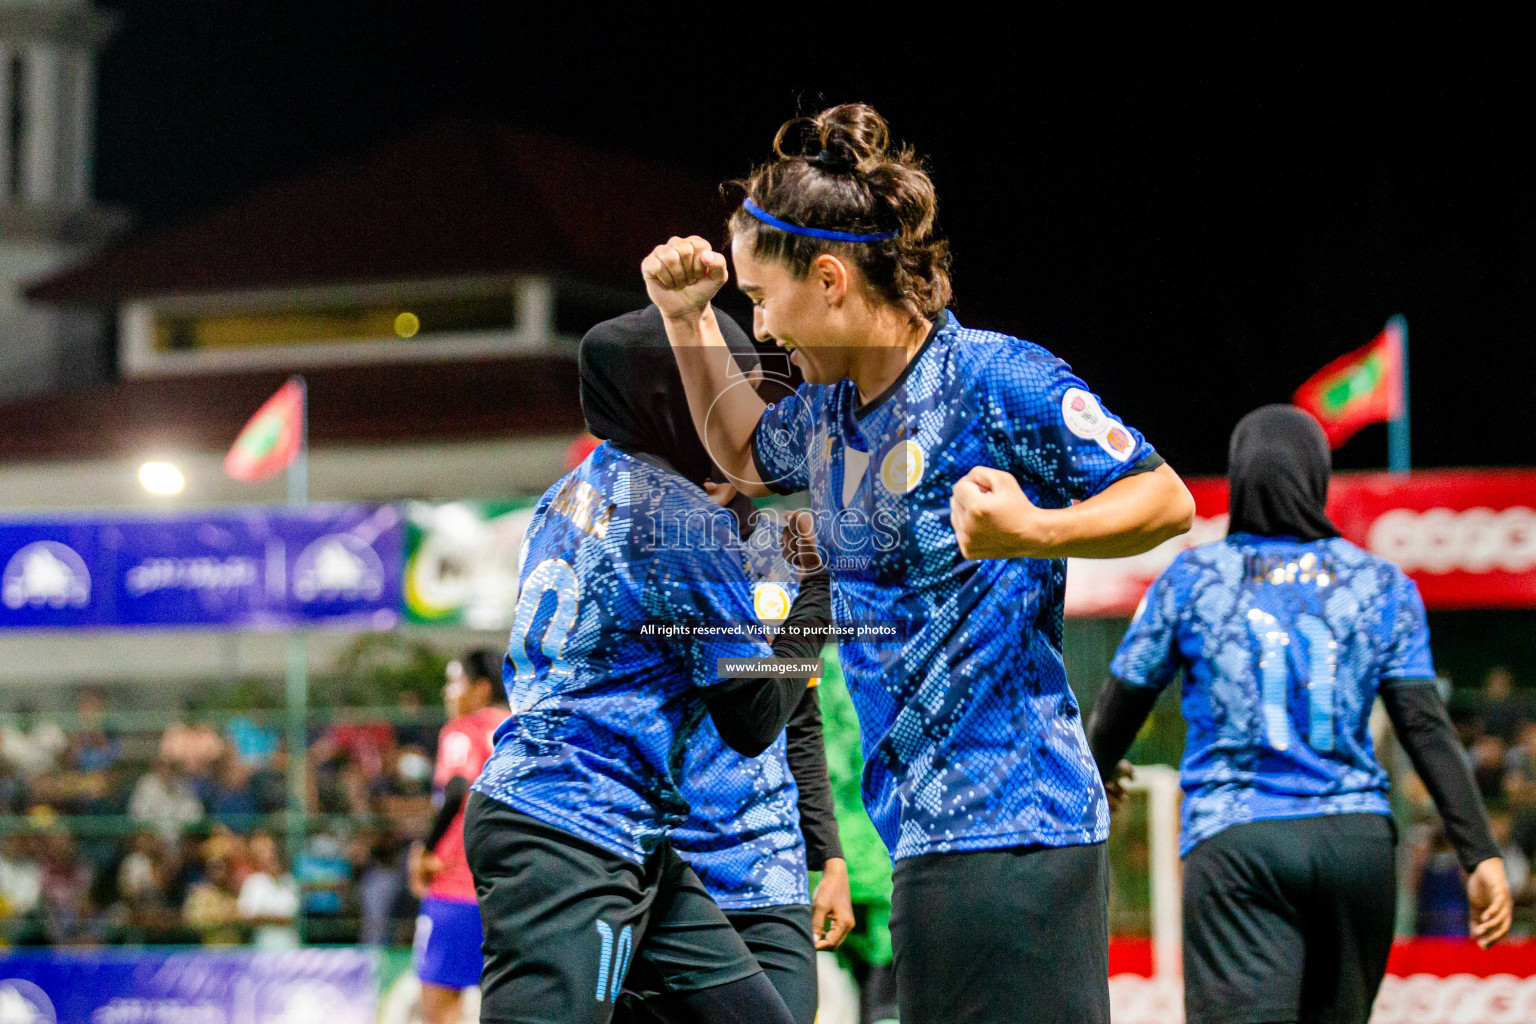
(806, 751)
(1117, 717)
(724, 415)
(750, 713)
(454, 795)
(1131, 515)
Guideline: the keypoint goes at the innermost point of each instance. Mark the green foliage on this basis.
(376, 667)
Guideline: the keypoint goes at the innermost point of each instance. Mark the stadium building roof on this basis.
(526, 395)
(456, 198)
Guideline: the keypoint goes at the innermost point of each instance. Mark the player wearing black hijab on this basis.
(1287, 634)
(567, 827)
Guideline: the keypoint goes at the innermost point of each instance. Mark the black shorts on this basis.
(1003, 936)
(779, 939)
(564, 919)
(1289, 920)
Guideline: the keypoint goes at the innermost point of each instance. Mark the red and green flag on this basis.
(272, 438)
(1363, 387)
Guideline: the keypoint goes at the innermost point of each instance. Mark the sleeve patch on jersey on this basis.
(1084, 416)
(1117, 441)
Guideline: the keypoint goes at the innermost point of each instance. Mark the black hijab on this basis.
(1279, 463)
(632, 393)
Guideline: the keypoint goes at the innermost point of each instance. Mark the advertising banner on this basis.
(461, 562)
(126, 986)
(1468, 538)
(243, 568)
(1429, 981)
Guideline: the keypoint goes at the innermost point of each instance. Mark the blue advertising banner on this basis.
(125, 986)
(244, 568)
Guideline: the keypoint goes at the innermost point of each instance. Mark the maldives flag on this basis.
(272, 438)
(1363, 387)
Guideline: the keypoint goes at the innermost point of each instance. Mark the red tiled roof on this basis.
(453, 199)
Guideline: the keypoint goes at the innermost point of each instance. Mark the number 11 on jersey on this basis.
(1274, 678)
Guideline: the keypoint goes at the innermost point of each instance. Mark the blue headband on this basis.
(795, 229)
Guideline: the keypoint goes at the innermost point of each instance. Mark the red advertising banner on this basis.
(1429, 981)
(1467, 537)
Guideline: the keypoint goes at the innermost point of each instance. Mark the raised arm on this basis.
(681, 277)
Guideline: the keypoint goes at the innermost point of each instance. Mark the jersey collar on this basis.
(939, 323)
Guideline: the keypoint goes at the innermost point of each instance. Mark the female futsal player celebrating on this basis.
(943, 465)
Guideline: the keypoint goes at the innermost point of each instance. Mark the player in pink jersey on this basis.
(448, 927)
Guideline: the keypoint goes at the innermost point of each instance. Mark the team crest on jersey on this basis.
(902, 467)
(1083, 414)
(770, 602)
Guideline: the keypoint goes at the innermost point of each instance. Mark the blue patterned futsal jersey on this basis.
(742, 837)
(1284, 646)
(602, 701)
(972, 739)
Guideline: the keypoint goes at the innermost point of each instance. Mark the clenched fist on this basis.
(994, 518)
(683, 275)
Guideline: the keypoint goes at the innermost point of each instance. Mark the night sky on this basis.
(1196, 214)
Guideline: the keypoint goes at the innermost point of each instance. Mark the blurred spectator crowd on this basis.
(123, 827)
(133, 827)
(1497, 728)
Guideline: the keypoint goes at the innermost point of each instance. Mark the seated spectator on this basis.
(413, 729)
(66, 892)
(1520, 785)
(1442, 907)
(1499, 711)
(212, 908)
(14, 792)
(34, 745)
(144, 911)
(324, 873)
(191, 747)
(163, 800)
(378, 859)
(366, 744)
(230, 798)
(142, 871)
(254, 744)
(93, 745)
(411, 774)
(21, 876)
(187, 864)
(269, 897)
(224, 843)
(343, 787)
(269, 784)
(1488, 768)
(1517, 866)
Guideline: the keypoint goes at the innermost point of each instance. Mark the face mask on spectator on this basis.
(414, 767)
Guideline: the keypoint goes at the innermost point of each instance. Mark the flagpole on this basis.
(298, 670)
(1398, 438)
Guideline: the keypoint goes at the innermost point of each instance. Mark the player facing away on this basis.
(1287, 634)
(447, 946)
(756, 825)
(634, 584)
(943, 465)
